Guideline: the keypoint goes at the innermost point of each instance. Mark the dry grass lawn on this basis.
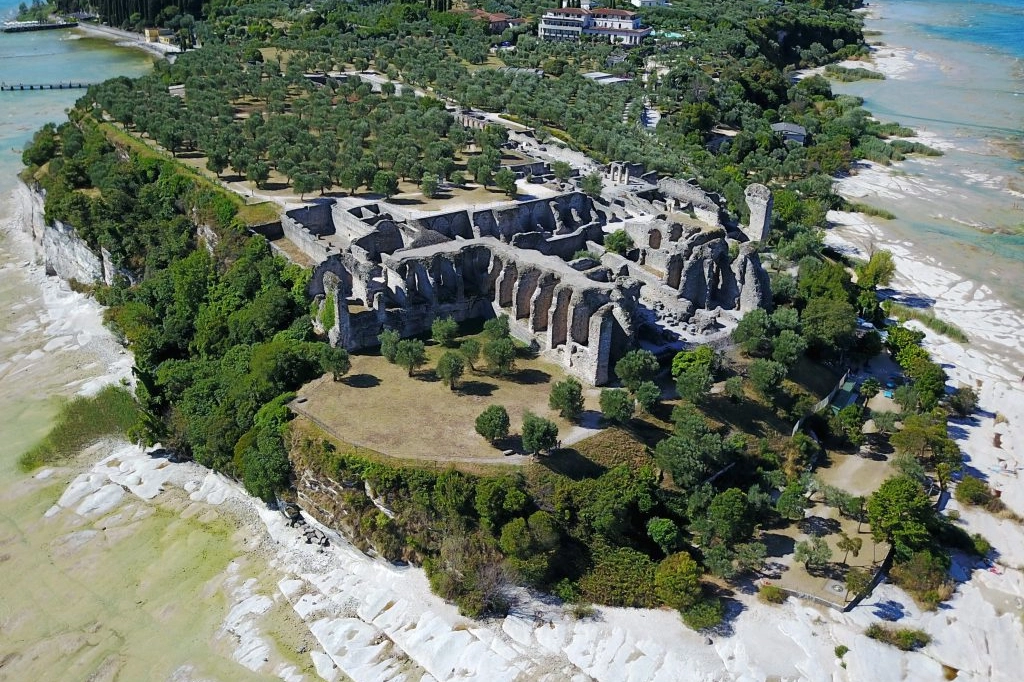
(855, 474)
(827, 582)
(378, 406)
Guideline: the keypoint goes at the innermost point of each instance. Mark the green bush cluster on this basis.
(906, 639)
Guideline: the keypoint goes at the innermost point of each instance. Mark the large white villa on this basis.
(569, 23)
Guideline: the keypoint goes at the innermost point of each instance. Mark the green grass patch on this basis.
(906, 639)
(907, 147)
(927, 318)
(867, 209)
(614, 446)
(81, 422)
(847, 75)
(771, 594)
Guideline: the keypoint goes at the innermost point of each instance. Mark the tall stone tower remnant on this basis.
(759, 201)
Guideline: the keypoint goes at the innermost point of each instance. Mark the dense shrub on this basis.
(771, 594)
(972, 490)
(906, 639)
(926, 577)
(82, 421)
(621, 577)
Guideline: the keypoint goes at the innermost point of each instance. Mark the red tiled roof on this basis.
(572, 11)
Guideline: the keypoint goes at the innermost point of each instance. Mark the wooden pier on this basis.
(17, 87)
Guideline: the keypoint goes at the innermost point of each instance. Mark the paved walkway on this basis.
(130, 39)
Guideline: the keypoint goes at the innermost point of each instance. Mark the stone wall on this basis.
(684, 195)
(581, 323)
(304, 240)
(315, 218)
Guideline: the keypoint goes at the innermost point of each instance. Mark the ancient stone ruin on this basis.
(381, 268)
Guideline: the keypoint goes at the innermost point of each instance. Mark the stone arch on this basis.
(506, 284)
(674, 273)
(654, 239)
(541, 304)
(559, 325)
(334, 266)
(525, 287)
(445, 279)
(580, 331)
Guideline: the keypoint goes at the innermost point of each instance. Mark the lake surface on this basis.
(138, 592)
(963, 88)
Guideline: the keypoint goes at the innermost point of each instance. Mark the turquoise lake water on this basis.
(46, 57)
(40, 57)
(965, 87)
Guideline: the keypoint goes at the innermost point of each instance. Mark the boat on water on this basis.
(23, 26)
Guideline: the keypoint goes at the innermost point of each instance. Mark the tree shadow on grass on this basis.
(361, 381)
(477, 388)
(819, 526)
(513, 443)
(530, 376)
(777, 545)
(570, 463)
(405, 201)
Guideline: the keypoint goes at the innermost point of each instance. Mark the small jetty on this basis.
(23, 26)
(15, 87)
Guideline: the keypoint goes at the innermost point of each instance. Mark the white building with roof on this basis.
(618, 26)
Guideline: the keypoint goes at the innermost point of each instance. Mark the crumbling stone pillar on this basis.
(505, 285)
(540, 306)
(759, 201)
(525, 287)
(600, 346)
(559, 326)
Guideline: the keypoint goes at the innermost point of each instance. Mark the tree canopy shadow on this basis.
(477, 388)
(570, 463)
(361, 381)
(830, 570)
(909, 300)
(777, 545)
(590, 419)
(819, 526)
(405, 201)
(731, 610)
(890, 610)
(530, 376)
(513, 442)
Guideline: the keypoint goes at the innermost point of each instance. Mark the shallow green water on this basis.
(139, 593)
(965, 86)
